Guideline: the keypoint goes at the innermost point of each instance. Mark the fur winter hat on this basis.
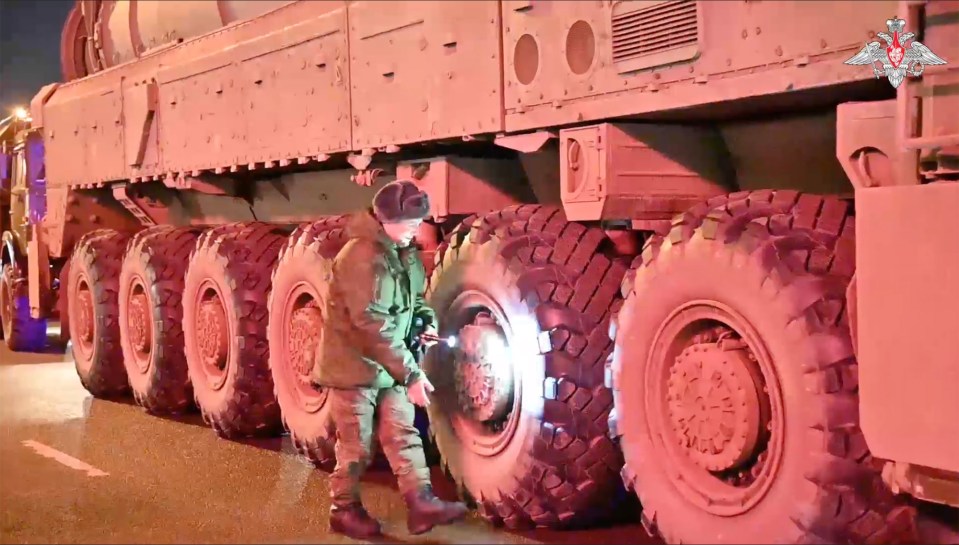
(400, 200)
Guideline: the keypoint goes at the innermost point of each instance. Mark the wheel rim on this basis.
(212, 334)
(302, 330)
(82, 320)
(487, 391)
(6, 302)
(715, 408)
(140, 324)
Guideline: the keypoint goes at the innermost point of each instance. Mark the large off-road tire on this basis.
(735, 380)
(540, 456)
(94, 314)
(151, 318)
(296, 307)
(224, 325)
(21, 332)
(63, 307)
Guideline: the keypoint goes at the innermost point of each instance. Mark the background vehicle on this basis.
(21, 204)
(643, 229)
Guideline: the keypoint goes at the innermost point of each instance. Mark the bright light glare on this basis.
(21, 113)
(451, 341)
(497, 350)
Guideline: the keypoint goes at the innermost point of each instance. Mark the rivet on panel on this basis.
(758, 31)
(822, 44)
(779, 51)
(744, 34)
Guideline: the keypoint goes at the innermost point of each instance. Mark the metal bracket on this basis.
(121, 195)
(366, 178)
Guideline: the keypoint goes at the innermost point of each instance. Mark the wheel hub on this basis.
(212, 332)
(483, 376)
(139, 322)
(85, 325)
(714, 403)
(305, 328)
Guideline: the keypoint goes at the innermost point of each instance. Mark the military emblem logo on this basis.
(896, 58)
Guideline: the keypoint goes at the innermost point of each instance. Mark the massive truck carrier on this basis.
(686, 247)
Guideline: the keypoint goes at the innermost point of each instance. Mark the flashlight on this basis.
(450, 341)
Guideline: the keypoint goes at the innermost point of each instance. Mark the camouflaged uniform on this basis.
(375, 293)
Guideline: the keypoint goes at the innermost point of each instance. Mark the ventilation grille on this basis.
(655, 29)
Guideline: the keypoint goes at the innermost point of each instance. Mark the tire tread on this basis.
(562, 266)
(802, 237)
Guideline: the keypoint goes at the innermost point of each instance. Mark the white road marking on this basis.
(63, 458)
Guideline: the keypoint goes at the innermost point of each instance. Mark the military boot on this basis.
(353, 520)
(425, 510)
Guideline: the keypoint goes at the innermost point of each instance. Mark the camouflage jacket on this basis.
(376, 291)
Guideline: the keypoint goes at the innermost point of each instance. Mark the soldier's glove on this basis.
(419, 391)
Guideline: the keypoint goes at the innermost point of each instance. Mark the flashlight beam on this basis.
(448, 341)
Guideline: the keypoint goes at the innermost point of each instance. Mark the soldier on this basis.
(376, 292)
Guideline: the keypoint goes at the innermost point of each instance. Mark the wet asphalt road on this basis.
(175, 481)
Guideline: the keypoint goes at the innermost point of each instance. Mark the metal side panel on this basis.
(423, 70)
(568, 62)
(907, 269)
(274, 89)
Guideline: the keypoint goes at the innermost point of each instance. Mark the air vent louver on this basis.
(649, 30)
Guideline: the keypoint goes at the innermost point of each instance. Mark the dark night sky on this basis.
(29, 48)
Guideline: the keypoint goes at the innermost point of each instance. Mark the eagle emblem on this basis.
(896, 58)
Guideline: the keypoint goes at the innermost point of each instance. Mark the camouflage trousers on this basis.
(355, 413)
